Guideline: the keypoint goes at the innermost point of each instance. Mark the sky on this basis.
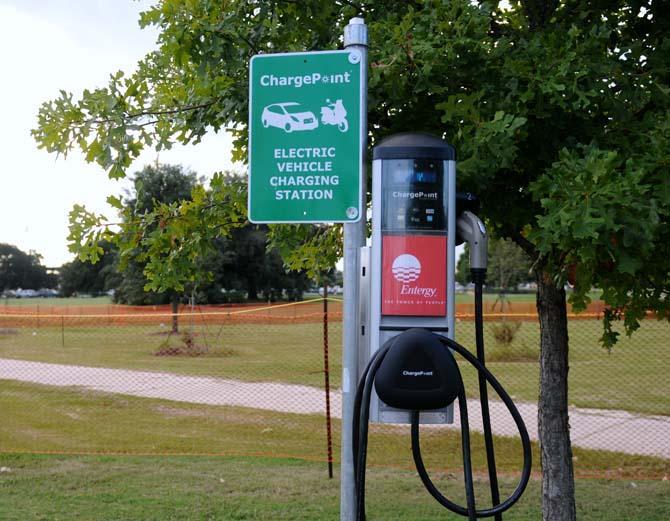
(50, 45)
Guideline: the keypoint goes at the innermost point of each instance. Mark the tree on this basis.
(80, 276)
(154, 185)
(22, 270)
(559, 110)
(244, 262)
(463, 275)
(247, 253)
(160, 183)
(508, 267)
(239, 261)
(261, 267)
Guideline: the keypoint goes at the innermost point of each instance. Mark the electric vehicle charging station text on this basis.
(407, 305)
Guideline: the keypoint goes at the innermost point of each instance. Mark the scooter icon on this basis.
(335, 114)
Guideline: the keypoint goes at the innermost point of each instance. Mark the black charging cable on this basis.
(478, 277)
(521, 427)
(360, 425)
(360, 437)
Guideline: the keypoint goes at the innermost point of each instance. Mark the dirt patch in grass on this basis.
(228, 415)
(186, 346)
(195, 350)
(168, 332)
(506, 346)
(161, 333)
(190, 350)
(517, 352)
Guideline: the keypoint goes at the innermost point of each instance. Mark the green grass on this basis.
(54, 301)
(467, 298)
(294, 353)
(230, 486)
(598, 378)
(54, 488)
(47, 419)
(287, 353)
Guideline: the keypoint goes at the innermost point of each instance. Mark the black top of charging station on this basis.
(414, 145)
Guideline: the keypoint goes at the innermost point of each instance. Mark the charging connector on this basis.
(471, 229)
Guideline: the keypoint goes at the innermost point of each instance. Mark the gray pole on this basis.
(355, 37)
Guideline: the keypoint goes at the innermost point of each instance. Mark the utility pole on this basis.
(355, 37)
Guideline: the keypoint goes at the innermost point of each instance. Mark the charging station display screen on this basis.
(413, 195)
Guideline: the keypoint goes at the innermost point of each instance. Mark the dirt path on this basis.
(590, 428)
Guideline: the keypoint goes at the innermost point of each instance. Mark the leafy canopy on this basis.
(21, 270)
(559, 111)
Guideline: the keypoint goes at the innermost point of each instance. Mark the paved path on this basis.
(590, 428)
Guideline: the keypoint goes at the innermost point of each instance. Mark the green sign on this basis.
(305, 137)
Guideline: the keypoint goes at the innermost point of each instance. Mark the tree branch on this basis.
(127, 115)
(527, 246)
(360, 8)
(538, 12)
(170, 111)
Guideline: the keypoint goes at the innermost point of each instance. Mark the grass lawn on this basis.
(294, 353)
(55, 301)
(254, 352)
(468, 298)
(71, 488)
(598, 378)
(47, 419)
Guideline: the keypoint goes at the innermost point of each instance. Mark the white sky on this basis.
(67, 44)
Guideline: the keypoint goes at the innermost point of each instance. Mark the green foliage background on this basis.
(559, 111)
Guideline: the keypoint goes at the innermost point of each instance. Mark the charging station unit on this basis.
(408, 273)
(407, 310)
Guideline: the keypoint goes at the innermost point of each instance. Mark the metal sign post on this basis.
(308, 134)
(305, 112)
(355, 37)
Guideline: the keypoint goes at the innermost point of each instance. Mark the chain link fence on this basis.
(254, 381)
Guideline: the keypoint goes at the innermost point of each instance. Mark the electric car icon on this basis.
(288, 116)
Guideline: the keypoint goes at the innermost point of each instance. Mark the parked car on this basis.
(288, 116)
(332, 290)
(26, 293)
(47, 292)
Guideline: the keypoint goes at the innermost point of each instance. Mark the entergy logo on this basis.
(406, 268)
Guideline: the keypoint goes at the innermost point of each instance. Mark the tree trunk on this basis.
(252, 290)
(558, 486)
(175, 313)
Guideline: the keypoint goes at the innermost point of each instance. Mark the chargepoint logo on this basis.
(406, 268)
(316, 78)
(417, 373)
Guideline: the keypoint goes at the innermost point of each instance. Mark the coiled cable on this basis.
(360, 437)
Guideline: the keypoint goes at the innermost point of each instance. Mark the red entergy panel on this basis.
(414, 275)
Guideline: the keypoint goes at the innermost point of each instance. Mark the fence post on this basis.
(62, 331)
